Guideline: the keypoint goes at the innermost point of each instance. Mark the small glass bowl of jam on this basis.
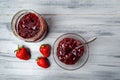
(67, 53)
(29, 26)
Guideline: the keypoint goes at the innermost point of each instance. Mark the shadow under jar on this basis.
(29, 26)
(67, 55)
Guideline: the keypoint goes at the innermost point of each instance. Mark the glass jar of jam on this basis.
(66, 52)
(29, 26)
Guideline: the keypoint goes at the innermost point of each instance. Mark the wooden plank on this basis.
(61, 6)
(88, 18)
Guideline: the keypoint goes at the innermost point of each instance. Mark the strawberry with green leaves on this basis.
(45, 50)
(43, 62)
(23, 53)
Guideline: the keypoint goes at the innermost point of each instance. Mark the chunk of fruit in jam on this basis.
(29, 25)
(65, 51)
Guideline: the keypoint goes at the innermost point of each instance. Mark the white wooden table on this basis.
(88, 18)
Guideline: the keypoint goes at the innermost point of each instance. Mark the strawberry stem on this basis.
(43, 45)
(37, 58)
(19, 47)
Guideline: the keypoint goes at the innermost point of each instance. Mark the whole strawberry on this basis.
(45, 50)
(23, 53)
(43, 62)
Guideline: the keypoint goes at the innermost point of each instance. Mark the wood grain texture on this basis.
(88, 18)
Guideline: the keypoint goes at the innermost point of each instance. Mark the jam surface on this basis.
(28, 25)
(67, 51)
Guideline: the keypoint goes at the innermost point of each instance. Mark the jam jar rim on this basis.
(22, 13)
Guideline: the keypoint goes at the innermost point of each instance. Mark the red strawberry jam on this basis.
(29, 25)
(67, 51)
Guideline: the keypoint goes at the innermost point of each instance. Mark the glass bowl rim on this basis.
(86, 52)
